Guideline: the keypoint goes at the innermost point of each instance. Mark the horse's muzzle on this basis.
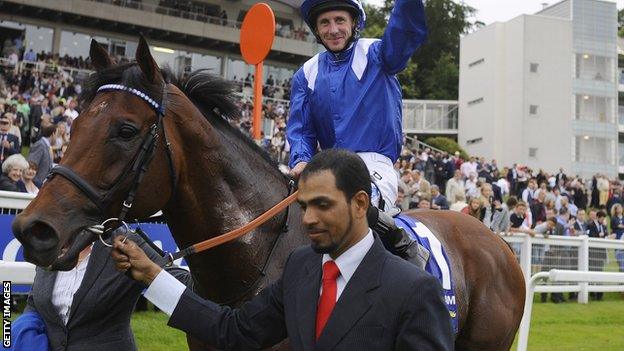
(40, 240)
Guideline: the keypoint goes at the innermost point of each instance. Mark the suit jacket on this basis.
(15, 147)
(387, 304)
(594, 229)
(99, 317)
(40, 154)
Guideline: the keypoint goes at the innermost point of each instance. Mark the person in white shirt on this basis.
(334, 193)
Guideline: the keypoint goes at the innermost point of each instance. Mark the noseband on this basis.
(137, 167)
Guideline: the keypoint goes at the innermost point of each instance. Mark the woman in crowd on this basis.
(617, 228)
(59, 141)
(474, 208)
(27, 183)
(12, 169)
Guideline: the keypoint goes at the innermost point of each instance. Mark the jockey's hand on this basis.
(129, 257)
(296, 171)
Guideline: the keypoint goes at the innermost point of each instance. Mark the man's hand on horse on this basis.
(130, 257)
(296, 171)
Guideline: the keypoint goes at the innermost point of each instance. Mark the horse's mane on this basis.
(213, 95)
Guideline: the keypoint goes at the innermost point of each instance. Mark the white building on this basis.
(542, 89)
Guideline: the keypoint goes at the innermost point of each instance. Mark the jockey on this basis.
(349, 97)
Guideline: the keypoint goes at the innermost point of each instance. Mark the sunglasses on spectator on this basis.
(4, 122)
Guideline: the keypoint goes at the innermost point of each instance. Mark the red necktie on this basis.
(328, 295)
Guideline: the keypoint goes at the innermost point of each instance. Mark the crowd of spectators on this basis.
(38, 109)
(517, 199)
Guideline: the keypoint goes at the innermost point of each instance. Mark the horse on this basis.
(209, 178)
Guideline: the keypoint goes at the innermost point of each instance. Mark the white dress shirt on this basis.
(65, 287)
(165, 291)
(349, 261)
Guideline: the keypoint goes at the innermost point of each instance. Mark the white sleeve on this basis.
(165, 292)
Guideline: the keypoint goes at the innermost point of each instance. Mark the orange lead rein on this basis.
(237, 233)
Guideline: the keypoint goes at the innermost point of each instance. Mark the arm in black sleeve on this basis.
(258, 324)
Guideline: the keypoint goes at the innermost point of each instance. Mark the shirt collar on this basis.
(349, 261)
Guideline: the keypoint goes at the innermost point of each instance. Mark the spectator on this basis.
(474, 208)
(538, 208)
(454, 187)
(12, 169)
(424, 204)
(603, 190)
(41, 153)
(471, 185)
(528, 194)
(438, 201)
(460, 204)
(9, 143)
(26, 184)
(420, 188)
(518, 220)
(616, 198)
(597, 257)
(580, 224)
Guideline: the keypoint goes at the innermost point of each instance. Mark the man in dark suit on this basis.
(597, 228)
(369, 298)
(9, 143)
(98, 317)
(41, 153)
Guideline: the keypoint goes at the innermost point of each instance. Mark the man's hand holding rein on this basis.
(129, 257)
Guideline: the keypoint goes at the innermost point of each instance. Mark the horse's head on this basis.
(109, 146)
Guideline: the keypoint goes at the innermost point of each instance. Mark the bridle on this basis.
(137, 167)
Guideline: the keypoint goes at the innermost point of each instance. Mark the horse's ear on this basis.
(99, 57)
(146, 62)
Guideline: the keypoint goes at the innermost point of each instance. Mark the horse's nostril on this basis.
(41, 236)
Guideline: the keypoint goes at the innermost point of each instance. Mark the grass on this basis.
(598, 325)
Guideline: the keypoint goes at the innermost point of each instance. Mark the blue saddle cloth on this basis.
(438, 264)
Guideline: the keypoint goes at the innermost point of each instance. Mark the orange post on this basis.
(256, 39)
(257, 110)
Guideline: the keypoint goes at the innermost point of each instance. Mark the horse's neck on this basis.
(210, 203)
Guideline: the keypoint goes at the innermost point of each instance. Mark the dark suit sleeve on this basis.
(36, 153)
(425, 322)
(259, 323)
(16, 145)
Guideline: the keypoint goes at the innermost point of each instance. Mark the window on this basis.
(533, 109)
(475, 101)
(534, 67)
(477, 62)
(532, 152)
(474, 141)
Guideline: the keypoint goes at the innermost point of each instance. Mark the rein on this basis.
(236, 233)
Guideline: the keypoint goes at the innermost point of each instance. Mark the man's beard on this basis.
(333, 246)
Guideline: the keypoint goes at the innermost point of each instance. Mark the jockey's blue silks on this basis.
(352, 100)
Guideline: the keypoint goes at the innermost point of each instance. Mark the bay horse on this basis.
(208, 178)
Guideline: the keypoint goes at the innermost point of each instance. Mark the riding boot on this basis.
(395, 239)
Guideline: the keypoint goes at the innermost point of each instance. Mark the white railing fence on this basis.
(566, 276)
(581, 253)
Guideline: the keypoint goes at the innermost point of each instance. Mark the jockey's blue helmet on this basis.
(311, 9)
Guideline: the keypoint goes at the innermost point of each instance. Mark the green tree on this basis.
(432, 72)
(621, 23)
(446, 144)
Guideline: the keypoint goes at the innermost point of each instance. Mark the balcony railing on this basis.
(433, 117)
(284, 32)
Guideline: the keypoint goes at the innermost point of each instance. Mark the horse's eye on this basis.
(127, 131)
